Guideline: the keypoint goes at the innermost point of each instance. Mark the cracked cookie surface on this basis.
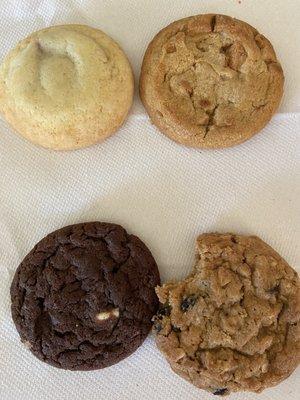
(234, 323)
(66, 87)
(83, 298)
(210, 81)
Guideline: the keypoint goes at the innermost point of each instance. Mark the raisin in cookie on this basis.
(234, 323)
(66, 87)
(210, 81)
(83, 298)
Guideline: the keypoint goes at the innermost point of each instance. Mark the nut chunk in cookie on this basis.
(234, 323)
(83, 298)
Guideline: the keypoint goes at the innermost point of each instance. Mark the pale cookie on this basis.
(66, 87)
(234, 323)
(210, 81)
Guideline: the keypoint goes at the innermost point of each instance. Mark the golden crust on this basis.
(66, 87)
(210, 81)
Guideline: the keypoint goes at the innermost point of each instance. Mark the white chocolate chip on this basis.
(116, 312)
(102, 316)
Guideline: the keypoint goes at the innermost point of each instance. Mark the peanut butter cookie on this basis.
(210, 81)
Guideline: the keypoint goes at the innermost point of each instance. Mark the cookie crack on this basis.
(233, 349)
(213, 23)
(210, 122)
(77, 349)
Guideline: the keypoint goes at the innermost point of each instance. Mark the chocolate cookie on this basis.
(210, 81)
(83, 298)
(234, 323)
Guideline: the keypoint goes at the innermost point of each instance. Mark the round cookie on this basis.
(83, 298)
(234, 323)
(210, 81)
(66, 87)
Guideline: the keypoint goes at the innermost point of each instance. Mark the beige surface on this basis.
(234, 323)
(66, 87)
(210, 81)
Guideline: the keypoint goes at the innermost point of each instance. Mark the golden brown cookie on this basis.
(66, 87)
(234, 323)
(210, 81)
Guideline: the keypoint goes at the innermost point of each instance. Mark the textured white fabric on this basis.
(163, 192)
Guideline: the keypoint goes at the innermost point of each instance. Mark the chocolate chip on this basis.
(157, 326)
(175, 329)
(187, 303)
(164, 310)
(220, 392)
(274, 290)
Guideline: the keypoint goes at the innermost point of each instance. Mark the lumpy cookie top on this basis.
(84, 297)
(234, 323)
(66, 87)
(210, 81)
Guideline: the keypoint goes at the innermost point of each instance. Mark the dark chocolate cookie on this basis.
(83, 298)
